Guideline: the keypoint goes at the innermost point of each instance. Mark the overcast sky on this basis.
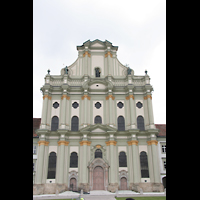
(137, 27)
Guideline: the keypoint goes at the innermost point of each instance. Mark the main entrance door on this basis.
(98, 178)
(123, 184)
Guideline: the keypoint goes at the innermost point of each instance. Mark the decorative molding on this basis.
(47, 96)
(130, 96)
(98, 146)
(65, 96)
(41, 142)
(110, 54)
(152, 142)
(85, 142)
(111, 142)
(132, 142)
(63, 142)
(148, 96)
(85, 96)
(110, 96)
(86, 53)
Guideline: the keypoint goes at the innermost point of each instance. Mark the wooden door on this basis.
(73, 184)
(98, 178)
(123, 184)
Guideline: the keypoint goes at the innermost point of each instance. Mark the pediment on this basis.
(98, 128)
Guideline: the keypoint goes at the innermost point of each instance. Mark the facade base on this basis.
(146, 187)
(84, 186)
(49, 188)
(112, 187)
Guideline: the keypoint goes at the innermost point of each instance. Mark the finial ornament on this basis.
(145, 71)
(48, 71)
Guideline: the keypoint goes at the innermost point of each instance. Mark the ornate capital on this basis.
(110, 96)
(148, 96)
(132, 142)
(152, 142)
(130, 96)
(86, 53)
(65, 96)
(110, 54)
(47, 96)
(61, 142)
(85, 96)
(85, 142)
(41, 142)
(111, 142)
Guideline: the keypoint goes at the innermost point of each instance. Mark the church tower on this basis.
(97, 128)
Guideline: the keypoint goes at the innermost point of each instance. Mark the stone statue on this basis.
(98, 72)
(66, 70)
(129, 71)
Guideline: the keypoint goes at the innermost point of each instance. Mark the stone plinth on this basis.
(112, 187)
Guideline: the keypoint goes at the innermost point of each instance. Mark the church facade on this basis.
(97, 128)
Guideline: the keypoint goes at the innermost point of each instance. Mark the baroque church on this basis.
(97, 128)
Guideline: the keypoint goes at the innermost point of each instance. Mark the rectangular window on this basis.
(164, 162)
(164, 148)
(34, 149)
(33, 166)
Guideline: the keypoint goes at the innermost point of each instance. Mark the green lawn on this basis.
(135, 198)
(142, 198)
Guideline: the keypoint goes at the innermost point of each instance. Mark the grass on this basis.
(135, 198)
(141, 198)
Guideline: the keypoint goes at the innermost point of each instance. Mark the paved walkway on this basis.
(96, 195)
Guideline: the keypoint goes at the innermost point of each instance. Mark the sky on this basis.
(137, 27)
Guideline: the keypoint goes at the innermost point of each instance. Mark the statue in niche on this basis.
(98, 72)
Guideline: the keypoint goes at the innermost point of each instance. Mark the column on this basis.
(110, 97)
(84, 161)
(108, 55)
(40, 161)
(44, 111)
(156, 170)
(85, 98)
(112, 183)
(60, 175)
(64, 99)
(132, 110)
(135, 159)
(148, 97)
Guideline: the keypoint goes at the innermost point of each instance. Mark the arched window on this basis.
(140, 123)
(121, 123)
(122, 159)
(74, 123)
(54, 123)
(98, 120)
(52, 166)
(144, 165)
(98, 153)
(73, 160)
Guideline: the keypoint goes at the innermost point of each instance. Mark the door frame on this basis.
(100, 163)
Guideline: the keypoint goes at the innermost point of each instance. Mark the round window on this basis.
(75, 105)
(120, 105)
(139, 104)
(97, 105)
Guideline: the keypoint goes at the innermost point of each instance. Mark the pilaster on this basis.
(110, 98)
(154, 150)
(131, 99)
(63, 115)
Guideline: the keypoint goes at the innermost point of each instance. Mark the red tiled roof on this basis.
(162, 128)
(36, 125)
